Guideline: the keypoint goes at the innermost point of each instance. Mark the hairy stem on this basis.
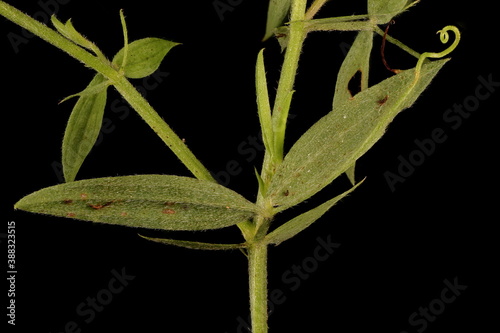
(285, 88)
(124, 87)
(288, 73)
(314, 8)
(257, 251)
(257, 270)
(162, 129)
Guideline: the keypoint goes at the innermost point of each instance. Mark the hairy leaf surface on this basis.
(263, 104)
(301, 222)
(68, 30)
(196, 245)
(83, 127)
(276, 14)
(338, 139)
(144, 56)
(146, 201)
(356, 61)
(384, 10)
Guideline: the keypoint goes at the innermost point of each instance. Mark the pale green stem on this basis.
(314, 8)
(257, 251)
(257, 270)
(124, 87)
(285, 85)
(397, 43)
(161, 128)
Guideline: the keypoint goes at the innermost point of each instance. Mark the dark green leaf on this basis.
(263, 104)
(301, 222)
(144, 56)
(83, 127)
(146, 201)
(355, 67)
(276, 14)
(382, 11)
(196, 245)
(69, 31)
(338, 139)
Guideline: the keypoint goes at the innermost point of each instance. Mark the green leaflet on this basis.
(263, 104)
(143, 56)
(83, 127)
(384, 10)
(276, 14)
(145, 201)
(356, 60)
(196, 245)
(338, 139)
(301, 222)
(68, 30)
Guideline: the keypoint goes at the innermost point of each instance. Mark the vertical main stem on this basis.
(297, 35)
(257, 270)
(257, 251)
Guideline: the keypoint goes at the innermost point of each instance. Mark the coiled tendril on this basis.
(444, 36)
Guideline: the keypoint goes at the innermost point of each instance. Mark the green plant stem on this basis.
(257, 270)
(161, 128)
(281, 106)
(397, 43)
(288, 73)
(257, 250)
(314, 8)
(124, 87)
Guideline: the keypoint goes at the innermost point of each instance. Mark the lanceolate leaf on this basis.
(144, 56)
(277, 12)
(338, 139)
(146, 201)
(83, 127)
(301, 222)
(196, 245)
(69, 31)
(356, 67)
(263, 104)
(356, 61)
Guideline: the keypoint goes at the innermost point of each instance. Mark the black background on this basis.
(397, 247)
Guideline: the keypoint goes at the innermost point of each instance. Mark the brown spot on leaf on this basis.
(84, 196)
(71, 215)
(168, 211)
(97, 207)
(383, 100)
(123, 214)
(286, 193)
(67, 201)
